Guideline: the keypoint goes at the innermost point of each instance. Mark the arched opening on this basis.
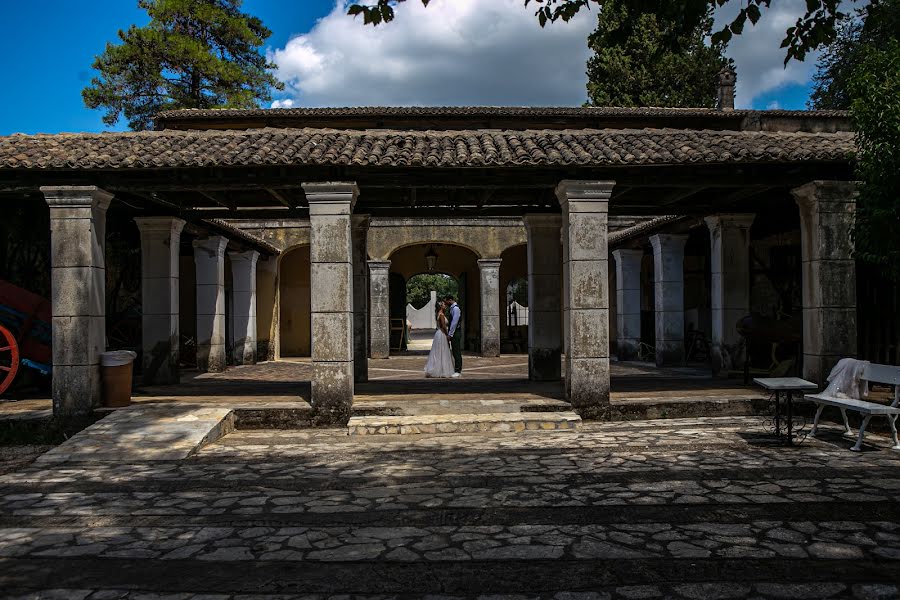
(457, 263)
(293, 304)
(423, 292)
(514, 285)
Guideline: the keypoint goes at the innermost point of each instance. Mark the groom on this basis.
(455, 340)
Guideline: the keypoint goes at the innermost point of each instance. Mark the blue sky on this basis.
(49, 47)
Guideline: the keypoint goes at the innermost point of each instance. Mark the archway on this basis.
(514, 288)
(293, 304)
(456, 262)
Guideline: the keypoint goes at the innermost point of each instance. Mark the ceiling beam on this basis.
(280, 197)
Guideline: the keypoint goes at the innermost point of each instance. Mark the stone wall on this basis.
(487, 238)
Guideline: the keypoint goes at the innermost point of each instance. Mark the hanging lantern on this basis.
(431, 258)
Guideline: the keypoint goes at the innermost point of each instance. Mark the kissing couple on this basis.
(447, 341)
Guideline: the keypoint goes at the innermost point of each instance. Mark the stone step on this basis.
(145, 433)
(470, 423)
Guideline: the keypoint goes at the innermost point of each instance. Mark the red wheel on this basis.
(9, 358)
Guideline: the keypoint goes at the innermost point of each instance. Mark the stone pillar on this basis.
(544, 300)
(78, 295)
(585, 206)
(628, 302)
(668, 292)
(827, 210)
(331, 282)
(209, 260)
(729, 237)
(243, 305)
(160, 245)
(489, 270)
(360, 233)
(379, 309)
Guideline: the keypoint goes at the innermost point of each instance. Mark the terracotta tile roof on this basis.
(248, 238)
(400, 148)
(479, 111)
(642, 228)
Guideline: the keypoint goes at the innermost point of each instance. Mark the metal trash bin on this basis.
(116, 369)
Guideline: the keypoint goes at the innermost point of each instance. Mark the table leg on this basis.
(777, 415)
(790, 418)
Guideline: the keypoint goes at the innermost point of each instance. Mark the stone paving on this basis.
(682, 508)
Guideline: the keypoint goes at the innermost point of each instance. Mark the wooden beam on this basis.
(280, 197)
(225, 203)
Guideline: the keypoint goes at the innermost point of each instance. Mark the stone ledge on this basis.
(471, 423)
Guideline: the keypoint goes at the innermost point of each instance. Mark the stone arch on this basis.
(484, 237)
(513, 266)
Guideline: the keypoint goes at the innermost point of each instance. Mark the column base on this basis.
(587, 387)
(211, 359)
(76, 390)
(628, 349)
(544, 364)
(669, 353)
(332, 392)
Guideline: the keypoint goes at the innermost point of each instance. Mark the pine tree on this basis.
(192, 54)
(654, 53)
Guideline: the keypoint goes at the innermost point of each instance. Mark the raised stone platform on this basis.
(503, 422)
(146, 433)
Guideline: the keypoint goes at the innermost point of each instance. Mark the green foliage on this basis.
(815, 28)
(655, 55)
(418, 288)
(874, 87)
(874, 25)
(192, 54)
(517, 290)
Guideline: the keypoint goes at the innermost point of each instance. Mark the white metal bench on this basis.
(882, 374)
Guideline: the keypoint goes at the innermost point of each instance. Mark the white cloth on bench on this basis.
(845, 380)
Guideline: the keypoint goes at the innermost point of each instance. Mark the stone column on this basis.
(729, 237)
(331, 282)
(827, 210)
(379, 309)
(160, 245)
(668, 288)
(78, 295)
(243, 305)
(209, 260)
(628, 302)
(585, 206)
(544, 300)
(489, 270)
(360, 233)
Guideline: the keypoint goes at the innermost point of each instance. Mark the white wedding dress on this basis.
(440, 360)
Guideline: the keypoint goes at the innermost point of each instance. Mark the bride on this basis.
(440, 361)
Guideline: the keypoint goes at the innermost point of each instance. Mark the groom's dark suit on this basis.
(455, 340)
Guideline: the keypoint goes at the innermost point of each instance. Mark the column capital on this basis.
(331, 198)
(542, 221)
(489, 263)
(214, 245)
(825, 190)
(376, 265)
(170, 225)
(75, 196)
(668, 241)
(730, 220)
(589, 196)
(250, 256)
(625, 253)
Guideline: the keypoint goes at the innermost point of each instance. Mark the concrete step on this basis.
(464, 423)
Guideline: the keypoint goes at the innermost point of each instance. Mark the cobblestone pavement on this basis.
(685, 509)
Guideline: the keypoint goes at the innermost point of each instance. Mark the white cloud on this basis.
(488, 52)
(773, 105)
(454, 52)
(758, 57)
(285, 103)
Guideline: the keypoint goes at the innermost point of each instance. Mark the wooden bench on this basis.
(881, 374)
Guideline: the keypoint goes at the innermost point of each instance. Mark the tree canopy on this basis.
(872, 26)
(655, 54)
(815, 28)
(418, 288)
(192, 54)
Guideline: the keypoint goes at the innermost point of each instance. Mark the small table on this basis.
(789, 385)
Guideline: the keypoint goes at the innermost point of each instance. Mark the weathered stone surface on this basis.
(209, 260)
(628, 301)
(379, 309)
(668, 262)
(243, 306)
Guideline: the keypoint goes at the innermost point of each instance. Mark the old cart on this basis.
(24, 333)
